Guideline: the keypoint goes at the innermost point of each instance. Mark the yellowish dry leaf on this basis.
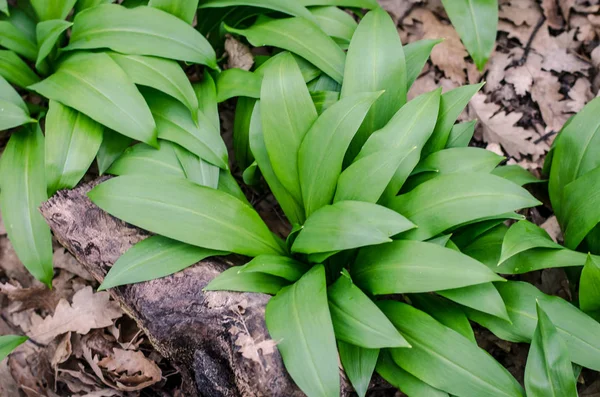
(131, 369)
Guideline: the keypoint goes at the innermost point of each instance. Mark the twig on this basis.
(523, 59)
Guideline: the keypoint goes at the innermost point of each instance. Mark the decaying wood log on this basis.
(210, 337)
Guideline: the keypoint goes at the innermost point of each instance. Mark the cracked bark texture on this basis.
(201, 333)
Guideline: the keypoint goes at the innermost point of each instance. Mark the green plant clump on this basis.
(398, 233)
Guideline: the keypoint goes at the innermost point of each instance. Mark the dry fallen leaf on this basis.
(238, 54)
(553, 14)
(63, 351)
(397, 9)
(131, 369)
(520, 12)
(552, 227)
(88, 311)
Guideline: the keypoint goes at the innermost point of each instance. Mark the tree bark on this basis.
(209, 336)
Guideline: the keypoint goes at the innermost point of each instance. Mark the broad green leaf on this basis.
(24, 20)
(113, 145)
(52, 9)
(294, 35)
(465, 235)
(445, 312)
(153, 258)
(287, 113)
(241, 131)
(369, 4)
(174, 123)
(141, 159)
(236, 82)
(416, 54)
(309, 71)
(444, 358)
(206, 93)
(452, 199)
(516, 174)
(476, 22)
(452, 103)
(304, 332)
(4, 7)
(234, 280)
(23, 182)
(85, 4)
(14, 39)
(8, 343)
(291, 207)
(196, 169)
(548, 372)
(407, 383)
(12, 115)
(276, 265)
(523, 236)
(406, 266)
(251, 174)
(463, 159)
(575, 153)
(367, 178)
(322, 151)
(187, 212)
(95, 85)
(359, 364)
(579, 331)
(375, 62)
(140, 31)
(9, 94)
(161, 74)
(15, 70)
(483, 297)
(72, 141)
(461, 134)
(581, 212)
(348, 224)
(323, 83)
(589, 288)
(229, 185)
(48, 34)
(182, 9)
(357, 320)
(290, 7)
(323, 100)
(335, 22)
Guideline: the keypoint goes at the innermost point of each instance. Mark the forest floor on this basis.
(543, 70)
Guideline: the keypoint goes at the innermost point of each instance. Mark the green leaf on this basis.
(369, 4)
(357, 320)
(452, 103)
(523, 236)
(174, 123)
(453, 199)
(541, 258)
(52, 9)
(292, 209)
(359, 364)
(182, 9)
(8, 343)
(575, 153)
(579, 331)
(580, 212)
(236, 82)
(335, 22)
(14, 39)
(462, 159)
(161, 74)
(589, 288)
(140, 31)
(141, 159)
(48, 34)
(276, 265)
(24, 20)
(196, 169)
(12, 115)
(548, 371)
(445, 312)
(290, 7)
(294, 35)
(85, 4)
(72, 141)
(23, 182)
(407, 383)
(323, 100)
(234, 280)
(153, 258)
(483, 297)
(348, 224)
(287, 113)
(206, 93)
(186, 212)
(406, 266)
(93, 84)
(461, 134)
(516, 174)
(323, 83)
(13, 69)
(304, 332)
(322, 151)
(4, 7)
(113, 145)
(476, 22)
(444, 358)
(376, 48)
(229, 185)
(416, 54)
(9, 94)
(241, 131)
